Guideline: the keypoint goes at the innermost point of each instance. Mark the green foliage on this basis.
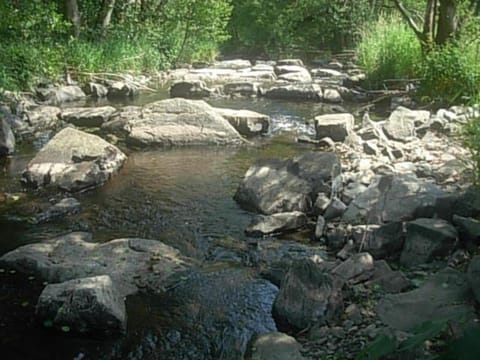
(388, 49)
(471, 140)
(378, 349)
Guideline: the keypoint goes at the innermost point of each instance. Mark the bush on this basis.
(388, 49)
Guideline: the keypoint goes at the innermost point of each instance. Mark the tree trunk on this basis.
(73, 15)
(447, 21)
(107, 18)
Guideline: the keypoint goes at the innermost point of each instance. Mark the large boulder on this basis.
(7, 139)
(60, 94)
(73, 161)
(132, 264)
(88, 305)
(275, 186)
(276, 223)
(195, 89)
(398, 198)
(247, 123)
(335, 126)
(88, 117)
(427, 239)
(401, 124)
(173, 122)
(308, 296)
(444, 296)
(295, 92)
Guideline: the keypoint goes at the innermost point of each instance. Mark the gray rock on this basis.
(274, 186)
(173, 122)
(296, 76)
(73, 161)
(336, 237)
(87, 305)
(398, 198)
(132, 264)
(427, 239)
(275, 346)
(468, 203)
(321, 203)
(247, 123)
(63, 207)
(401, 124)
(381, 241)
(370, 147)
(245, 88)
(468, 229)
(7, 139)
(444, 296)
(195, 89)
(308, 295)
(335, 209)
(121, 90)
(319, 227)
(335, 126)
(43, 118)
(352, 190)
(355, 269)
(388, 280)
(61, 94)
(232, 64)
(88, 117)
(332, 96)
(294, 62)
(327, 73)
(96, 91)
(276, 223)
(297, 92)
(473, 274)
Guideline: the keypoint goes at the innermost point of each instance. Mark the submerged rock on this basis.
(88, 305)
(131, 263)
(73, 161)
(63, 207)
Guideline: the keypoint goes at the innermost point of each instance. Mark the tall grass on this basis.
(388, 49)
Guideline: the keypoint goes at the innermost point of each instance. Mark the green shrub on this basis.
(388, 49)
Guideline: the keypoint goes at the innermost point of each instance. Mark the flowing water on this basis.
(181, 196)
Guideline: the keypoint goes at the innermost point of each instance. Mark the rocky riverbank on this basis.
(384, 208)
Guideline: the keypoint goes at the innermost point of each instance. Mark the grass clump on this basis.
(388, 49)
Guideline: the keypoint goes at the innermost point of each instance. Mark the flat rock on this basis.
(121, 90)
(294, 62)
(335, 126)
(244, 88)
(173, 122)
(444, 296)
(247, 123)
(132, 264)
(427, 239)
(388, 280)
(355, 269)
(88, 117)
(276, 223)
(43, 117)
(308, 295)
(87, 305)
(295, 92)
(73, 161)
(234, 64)
(397, 198)
(275, 346)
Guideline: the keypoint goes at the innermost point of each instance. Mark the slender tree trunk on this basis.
(73, 15)
(107, 18)
(447, 21)
(429, 24)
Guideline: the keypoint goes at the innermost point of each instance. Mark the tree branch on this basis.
(413, 25)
